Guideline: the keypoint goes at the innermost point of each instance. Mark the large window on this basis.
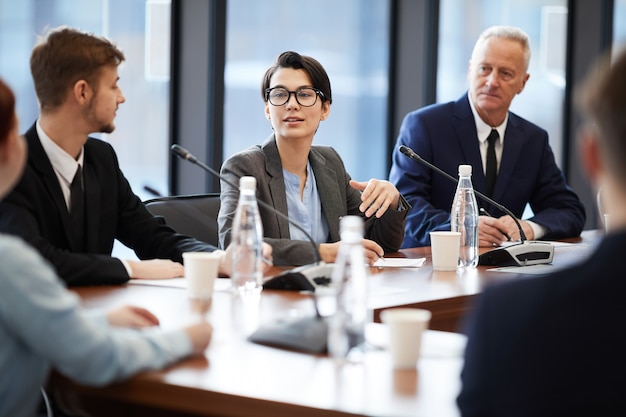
(545, 21)
(141, 29)
(349, 38)
(619, 24)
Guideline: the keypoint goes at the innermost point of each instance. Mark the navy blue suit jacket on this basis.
(551, 345)
(36, 211)
(445, 135)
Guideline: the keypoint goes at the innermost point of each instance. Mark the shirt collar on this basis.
(483, 129)
(62, 162)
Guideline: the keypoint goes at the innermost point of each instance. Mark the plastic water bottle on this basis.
(247, 257)
(346, 327)
(464, 218)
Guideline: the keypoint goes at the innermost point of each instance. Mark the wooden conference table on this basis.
(238, 378)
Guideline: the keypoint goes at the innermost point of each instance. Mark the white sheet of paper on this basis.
(399, 263)
(221, 284)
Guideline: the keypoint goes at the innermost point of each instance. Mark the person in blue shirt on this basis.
(308, 183)
(42, 324)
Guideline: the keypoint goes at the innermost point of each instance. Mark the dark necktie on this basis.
(77, 208)
(492, 164)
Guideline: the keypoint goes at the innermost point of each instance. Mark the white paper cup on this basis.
(200, 273)
(406, 326)
(445, 250)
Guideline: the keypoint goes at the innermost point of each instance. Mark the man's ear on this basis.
(524, 81)
(82, 91)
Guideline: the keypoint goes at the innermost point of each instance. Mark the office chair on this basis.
(193, 215)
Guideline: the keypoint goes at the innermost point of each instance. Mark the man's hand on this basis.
(494, 231)
(156, 269)
(376, 196)
(131, 316)
(513, 231)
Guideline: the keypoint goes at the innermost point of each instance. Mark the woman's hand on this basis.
(376, 196)
(371, 251)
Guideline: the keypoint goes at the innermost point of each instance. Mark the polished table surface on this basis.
(449, 294)
(240, 378)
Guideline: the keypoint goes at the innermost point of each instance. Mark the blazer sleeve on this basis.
(555, 205)
(148, 235)
(232, 169)
(414, 182)
(113, 211)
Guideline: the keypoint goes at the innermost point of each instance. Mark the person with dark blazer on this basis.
(554, 345)
(455, 133)
(76, 81)
(308, 183)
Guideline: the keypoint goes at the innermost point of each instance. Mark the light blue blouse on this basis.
(307, 212)
(42, 325)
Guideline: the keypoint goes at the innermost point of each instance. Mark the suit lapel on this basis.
(326, 180)
(512, 151)
(276, 185)
(465, 129)
(93, 201)
(38, 160)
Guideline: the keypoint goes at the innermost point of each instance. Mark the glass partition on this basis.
(350, 38)
(545, 22)
(142, 30)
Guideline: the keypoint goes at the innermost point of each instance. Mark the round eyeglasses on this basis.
(306, 96)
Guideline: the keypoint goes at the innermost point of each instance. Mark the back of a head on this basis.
(64, 56)
(602, 99)
(315, 70)
(507, 32)
(7, 111)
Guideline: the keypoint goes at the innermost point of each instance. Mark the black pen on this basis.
(486, 213)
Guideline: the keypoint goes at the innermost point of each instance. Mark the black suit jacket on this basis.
(551, 345)
(36, 211)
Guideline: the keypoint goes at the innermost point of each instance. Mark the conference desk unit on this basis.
(236, 377)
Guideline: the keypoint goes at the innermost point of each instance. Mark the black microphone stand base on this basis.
(302, 278)
(520, 254)
(306, 334)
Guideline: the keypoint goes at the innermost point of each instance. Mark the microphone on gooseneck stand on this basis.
(305, 277)
(524, 253)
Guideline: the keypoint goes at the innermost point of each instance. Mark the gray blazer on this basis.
(337, 198)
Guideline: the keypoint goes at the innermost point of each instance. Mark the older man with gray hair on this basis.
(511, 158)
